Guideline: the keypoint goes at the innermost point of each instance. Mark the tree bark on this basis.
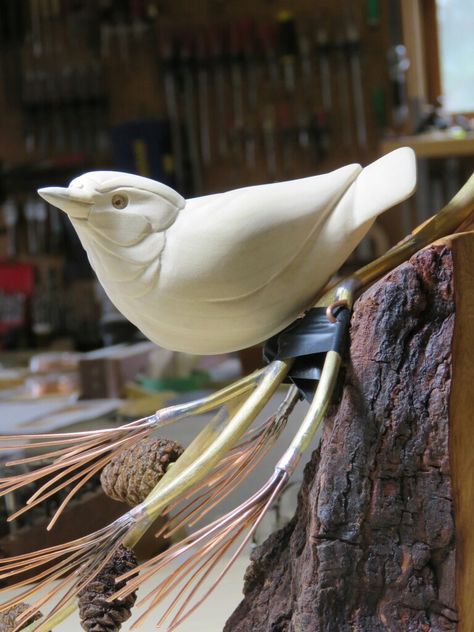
(381, 539)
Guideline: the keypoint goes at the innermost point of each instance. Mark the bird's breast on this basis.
(131, 271)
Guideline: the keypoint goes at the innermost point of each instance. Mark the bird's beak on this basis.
(75, 203)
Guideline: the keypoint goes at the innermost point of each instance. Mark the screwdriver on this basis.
(287, 43)
(169, 64)
(218, 62)
(353, 53)
(236, 66)
(202, 58)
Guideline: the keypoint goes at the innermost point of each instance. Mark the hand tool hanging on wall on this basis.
(138, 16)
(41, 219)
(63, 97)
(116, 28)
(398, 64)
(237, 81)
(218, 64)
(105, 28)
(323, 47)
(29, 211)
(307, 101)
(270, 142)
(251, 73)
(323, 119)
(170, 65)
(373, 13)
(202, 59)
(12, 36)
(285, 130)
(33, 83)
(56, 231)
(10, 218)
(343, 82)
(287, 44)
(35, 24)
(267, 41)
(353, 52)
(53, 59)
(186, 57)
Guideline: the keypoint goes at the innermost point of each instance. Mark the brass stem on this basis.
(200, 463)
(314, 416)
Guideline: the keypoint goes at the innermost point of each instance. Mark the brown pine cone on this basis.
(96, 613)
(8, 617)
(133, 473)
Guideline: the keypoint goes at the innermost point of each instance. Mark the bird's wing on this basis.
(237, 242)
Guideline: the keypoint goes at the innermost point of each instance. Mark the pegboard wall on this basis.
(251, 91)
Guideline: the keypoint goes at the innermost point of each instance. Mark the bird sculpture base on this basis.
(382, 538)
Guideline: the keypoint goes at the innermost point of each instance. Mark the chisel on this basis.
(267, 37)
(237, 82)
(398, 64)
(345, 122)
(251, 68)
(353, 52)
(202, 59)
(186, 67)
(324, 50)
(10, 216)
(219, 87)
(169, 64)
(306, 101)
(269, 142)
(287, 43)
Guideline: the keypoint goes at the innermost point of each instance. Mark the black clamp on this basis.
(307, 340)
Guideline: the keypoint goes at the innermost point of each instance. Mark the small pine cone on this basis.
(133, 473)
(8, 617)
(96, 613)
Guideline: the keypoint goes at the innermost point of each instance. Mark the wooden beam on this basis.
(412, 21)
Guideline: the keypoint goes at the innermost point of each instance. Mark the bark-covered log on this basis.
(383, 535)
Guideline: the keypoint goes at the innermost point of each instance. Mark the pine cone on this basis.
(133, 473)
(8, 617)
(96, 613)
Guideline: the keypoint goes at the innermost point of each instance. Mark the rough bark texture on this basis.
(372, 545)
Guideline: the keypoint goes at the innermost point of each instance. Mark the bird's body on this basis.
(225, 271)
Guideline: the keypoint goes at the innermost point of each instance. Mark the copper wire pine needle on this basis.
(73, 564)
(227, 476)
(76, 563)
(74, 458)
(72, 465)
(204, 550)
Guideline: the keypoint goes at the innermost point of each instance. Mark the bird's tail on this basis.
(383, 184)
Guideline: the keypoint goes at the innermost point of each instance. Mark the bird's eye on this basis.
(119, 200)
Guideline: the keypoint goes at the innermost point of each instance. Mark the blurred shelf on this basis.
(433, 144)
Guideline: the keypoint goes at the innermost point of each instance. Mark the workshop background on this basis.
(205, 96)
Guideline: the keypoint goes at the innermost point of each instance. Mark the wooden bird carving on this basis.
(222, 272)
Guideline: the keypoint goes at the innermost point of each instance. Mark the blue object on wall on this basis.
(143, 147)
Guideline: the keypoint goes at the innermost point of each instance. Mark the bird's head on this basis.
(121, 207)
